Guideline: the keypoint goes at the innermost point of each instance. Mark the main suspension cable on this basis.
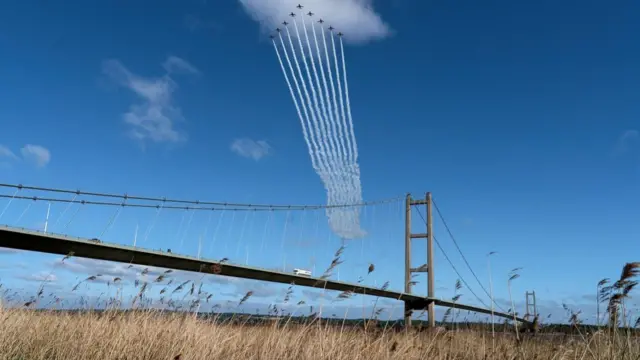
(191, 202)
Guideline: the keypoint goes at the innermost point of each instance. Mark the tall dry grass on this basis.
(28, 334)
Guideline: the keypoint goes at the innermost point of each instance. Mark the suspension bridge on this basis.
(65, 231)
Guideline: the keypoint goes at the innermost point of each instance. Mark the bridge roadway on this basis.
(22, 239)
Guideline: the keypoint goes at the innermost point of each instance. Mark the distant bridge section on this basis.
(22, 239)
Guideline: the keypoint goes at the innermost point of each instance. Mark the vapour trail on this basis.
(336, 123)
(326, 136)
(325, 176)
(343, 221)
(347, 217)
(325, 168)
(295, 101)
(346, 95)
(327, 125)
(328, 110)
(321, 165)
(335, 120)
(325, 180)
(356, 167)
(333, 91)
(342, 123)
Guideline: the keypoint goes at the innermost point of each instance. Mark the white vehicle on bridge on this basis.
(301, 272)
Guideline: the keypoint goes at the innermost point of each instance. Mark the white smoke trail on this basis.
(344, 221)
(338, 123)
(327, 173)
(335, 116)
(343, 122)
(327, 127)
(333, 92)
(350, 216)
(322, 165)
(295, 101)
(334, 165)
(356, 167)
(329, 154)
(313, 151)
(343, 125)
(328, 111)
(346, 95)
(354, 196)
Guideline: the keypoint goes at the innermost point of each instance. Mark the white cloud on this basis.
(106, 268)
(128, 273)
(5, 152)
(355, 18)
(174, 64)
(37, 154)
(39, 277)
(255, 150)
(155, 117)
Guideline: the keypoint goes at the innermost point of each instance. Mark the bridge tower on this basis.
(531, 309)
(428, 267)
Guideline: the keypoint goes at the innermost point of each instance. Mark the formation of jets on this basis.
(292, 14)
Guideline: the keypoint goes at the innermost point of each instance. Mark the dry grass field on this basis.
(29, 334)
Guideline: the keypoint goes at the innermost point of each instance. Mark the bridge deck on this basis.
(30, 240)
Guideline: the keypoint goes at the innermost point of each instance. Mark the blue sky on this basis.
(521, 118)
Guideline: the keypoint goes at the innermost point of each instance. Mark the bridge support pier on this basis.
(428, 267)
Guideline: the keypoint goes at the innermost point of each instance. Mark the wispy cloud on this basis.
(174, 64)
(155, 117)
(39, 277)
(252, 149)
(315, 295)
(109, 269)
(127, 274)
(7, 157)
(39, 155)
(36, 154)
(6, 153)
(260, 289)
(355, 18)
(626, 141)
